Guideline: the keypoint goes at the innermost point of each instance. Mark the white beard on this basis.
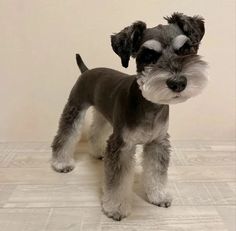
(154, 88)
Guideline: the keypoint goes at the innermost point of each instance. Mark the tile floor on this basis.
(202, 178)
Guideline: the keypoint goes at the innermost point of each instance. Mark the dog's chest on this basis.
(150, 128)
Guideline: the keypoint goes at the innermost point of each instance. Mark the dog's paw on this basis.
(62, 167)
(97, 155)
(98, 152)
(161, 199)
(115, 215)
(164, 204)
(117, 211)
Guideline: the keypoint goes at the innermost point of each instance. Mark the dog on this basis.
(134, 109)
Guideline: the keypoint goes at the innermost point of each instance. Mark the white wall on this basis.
(39, 39)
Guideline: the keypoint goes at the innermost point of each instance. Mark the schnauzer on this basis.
(134, 109)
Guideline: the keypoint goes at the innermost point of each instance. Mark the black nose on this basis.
(177, 84)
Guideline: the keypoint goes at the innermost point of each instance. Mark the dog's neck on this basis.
(138, 100)
(139, 107)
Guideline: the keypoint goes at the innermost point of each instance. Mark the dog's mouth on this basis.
(176, 96)
(174, 99)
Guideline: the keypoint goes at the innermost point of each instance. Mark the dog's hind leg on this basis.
(99, 133)
(68, 135)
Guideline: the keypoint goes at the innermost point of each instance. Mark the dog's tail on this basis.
(81, 64)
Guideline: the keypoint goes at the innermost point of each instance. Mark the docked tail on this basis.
(81, 64)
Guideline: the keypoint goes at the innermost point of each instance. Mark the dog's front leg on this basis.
(155, 165)
(118, 167)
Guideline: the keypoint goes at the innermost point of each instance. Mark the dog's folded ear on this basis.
(127, 42)
(192, 27)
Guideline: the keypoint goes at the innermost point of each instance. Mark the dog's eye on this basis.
(148, 56)
(186, 49)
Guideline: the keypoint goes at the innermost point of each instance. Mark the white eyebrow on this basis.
(179, 41)
(153, 45)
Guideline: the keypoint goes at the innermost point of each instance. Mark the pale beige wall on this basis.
(39, 39)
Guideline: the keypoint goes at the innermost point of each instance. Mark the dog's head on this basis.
(169, 69)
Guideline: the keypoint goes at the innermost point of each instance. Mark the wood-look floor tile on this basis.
(228, 215)
(23, 219)
(33, 197)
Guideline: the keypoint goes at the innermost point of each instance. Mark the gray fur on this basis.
(68, 134)
(119, 172)
(156, 156)
(136, 107)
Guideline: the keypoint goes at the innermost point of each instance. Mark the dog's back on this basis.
(95, 85)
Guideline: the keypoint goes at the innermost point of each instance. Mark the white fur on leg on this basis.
(116, 202)
(156, 189)
(155, 179)
(99, 133)
(64, 162)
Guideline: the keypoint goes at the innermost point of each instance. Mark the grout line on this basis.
(48, 218)
(92, 183)
(99, 206)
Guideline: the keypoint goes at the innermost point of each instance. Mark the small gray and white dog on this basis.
(134, 109)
